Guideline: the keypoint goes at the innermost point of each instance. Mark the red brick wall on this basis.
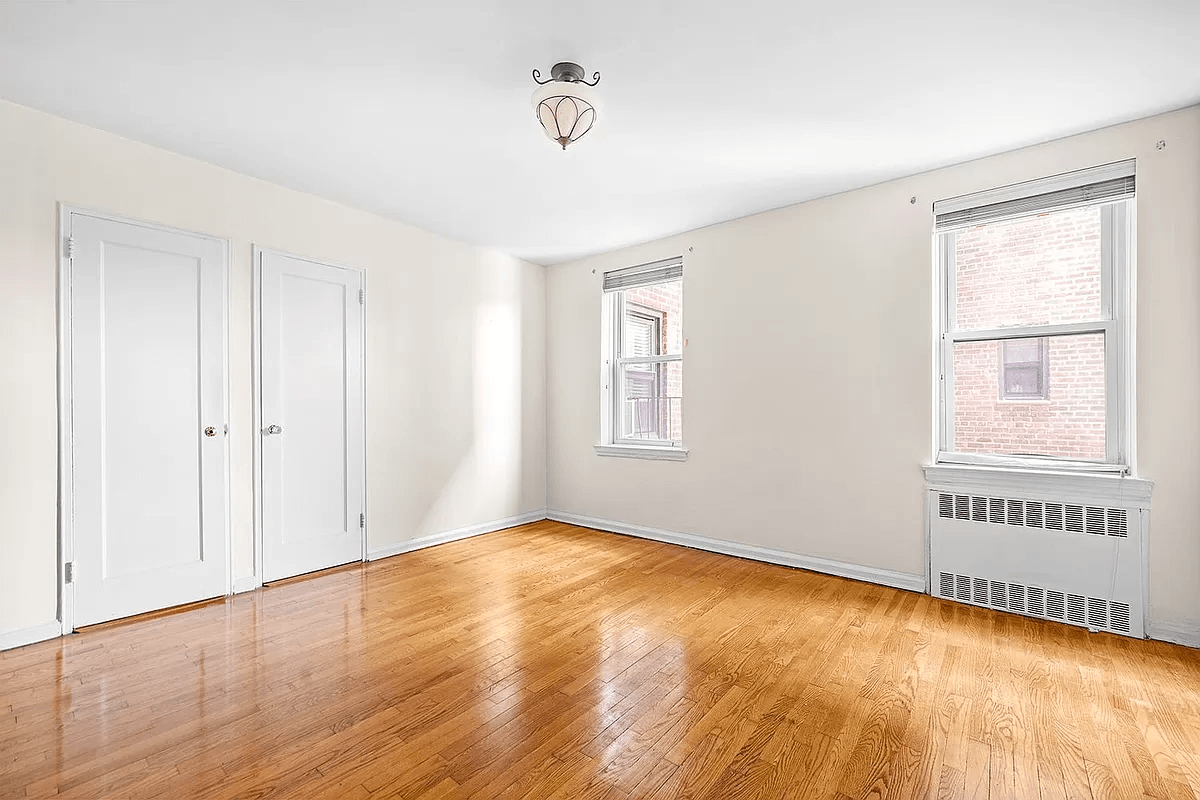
(1035, 271)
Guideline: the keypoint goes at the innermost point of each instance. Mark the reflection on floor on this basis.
(552, 661)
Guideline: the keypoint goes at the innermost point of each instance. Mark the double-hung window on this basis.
(642, 360)
(1034, 345)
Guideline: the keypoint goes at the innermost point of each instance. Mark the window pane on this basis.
(1022, 382)
(658, 306)
(1068, 423)
(1039, 270)
(641, 333)
(1022, 351)
(652, 401)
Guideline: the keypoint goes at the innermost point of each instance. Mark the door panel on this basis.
(312, 376)
(147, 345)
(151, 404)
(312, 391)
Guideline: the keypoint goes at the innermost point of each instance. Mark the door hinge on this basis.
(69, 572)
(362, 296)
(362, 520)
(69, 247)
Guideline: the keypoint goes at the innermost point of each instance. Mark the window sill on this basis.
(642, 451)
(1045, 484)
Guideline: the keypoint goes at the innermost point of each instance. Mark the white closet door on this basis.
(312, 415)
(147, 381)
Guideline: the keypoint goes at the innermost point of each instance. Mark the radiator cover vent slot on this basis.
(1120, 616)
(1095, 613)
(1075, 518)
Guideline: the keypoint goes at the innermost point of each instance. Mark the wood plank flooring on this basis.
(550, 661)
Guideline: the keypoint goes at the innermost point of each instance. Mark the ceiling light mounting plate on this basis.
(565, 72)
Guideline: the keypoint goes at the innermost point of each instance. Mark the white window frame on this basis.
(1118, 226)
(613, 361)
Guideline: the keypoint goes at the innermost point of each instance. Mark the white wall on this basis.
(808, 373)
(456, 344)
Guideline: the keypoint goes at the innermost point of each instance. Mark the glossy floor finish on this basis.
(554, 662)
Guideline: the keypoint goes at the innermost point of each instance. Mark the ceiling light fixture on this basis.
(565, 104)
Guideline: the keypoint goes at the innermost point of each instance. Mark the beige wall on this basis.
(456, 338)
(830, 300)
(829, 304)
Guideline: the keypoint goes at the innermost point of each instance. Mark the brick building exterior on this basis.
(1034, 271)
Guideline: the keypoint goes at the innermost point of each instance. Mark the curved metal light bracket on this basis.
(567, 72)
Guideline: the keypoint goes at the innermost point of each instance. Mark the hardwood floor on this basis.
(550, 661)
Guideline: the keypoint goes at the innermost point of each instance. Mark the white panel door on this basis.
(312, 415)
(147, 378)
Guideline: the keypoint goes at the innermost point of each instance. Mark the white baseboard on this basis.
(246, 584)
(1174, 632)
(454, 535)
(24, 636)
(885, 577)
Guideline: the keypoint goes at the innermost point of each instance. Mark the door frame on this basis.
(66, 485)
(257, 252)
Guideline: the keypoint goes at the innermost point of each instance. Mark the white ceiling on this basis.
(712, 109)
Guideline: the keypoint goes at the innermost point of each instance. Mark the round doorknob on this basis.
(273, 430)
(210, 431)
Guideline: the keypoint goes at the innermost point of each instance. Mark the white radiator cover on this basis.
(1080, 563)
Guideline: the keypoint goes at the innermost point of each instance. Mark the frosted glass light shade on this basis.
(566, 110)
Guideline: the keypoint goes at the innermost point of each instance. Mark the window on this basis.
(642, 402)
(1034, 360)
(1024, 369)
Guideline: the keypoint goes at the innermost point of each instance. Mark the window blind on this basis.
(639, 336)
(1107, 183)
(669, 269)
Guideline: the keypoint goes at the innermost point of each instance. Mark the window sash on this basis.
(1116, 267)
(623, 436)
(613, 430)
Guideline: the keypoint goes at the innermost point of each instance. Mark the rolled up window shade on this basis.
(669, 269)
(1107, 183)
